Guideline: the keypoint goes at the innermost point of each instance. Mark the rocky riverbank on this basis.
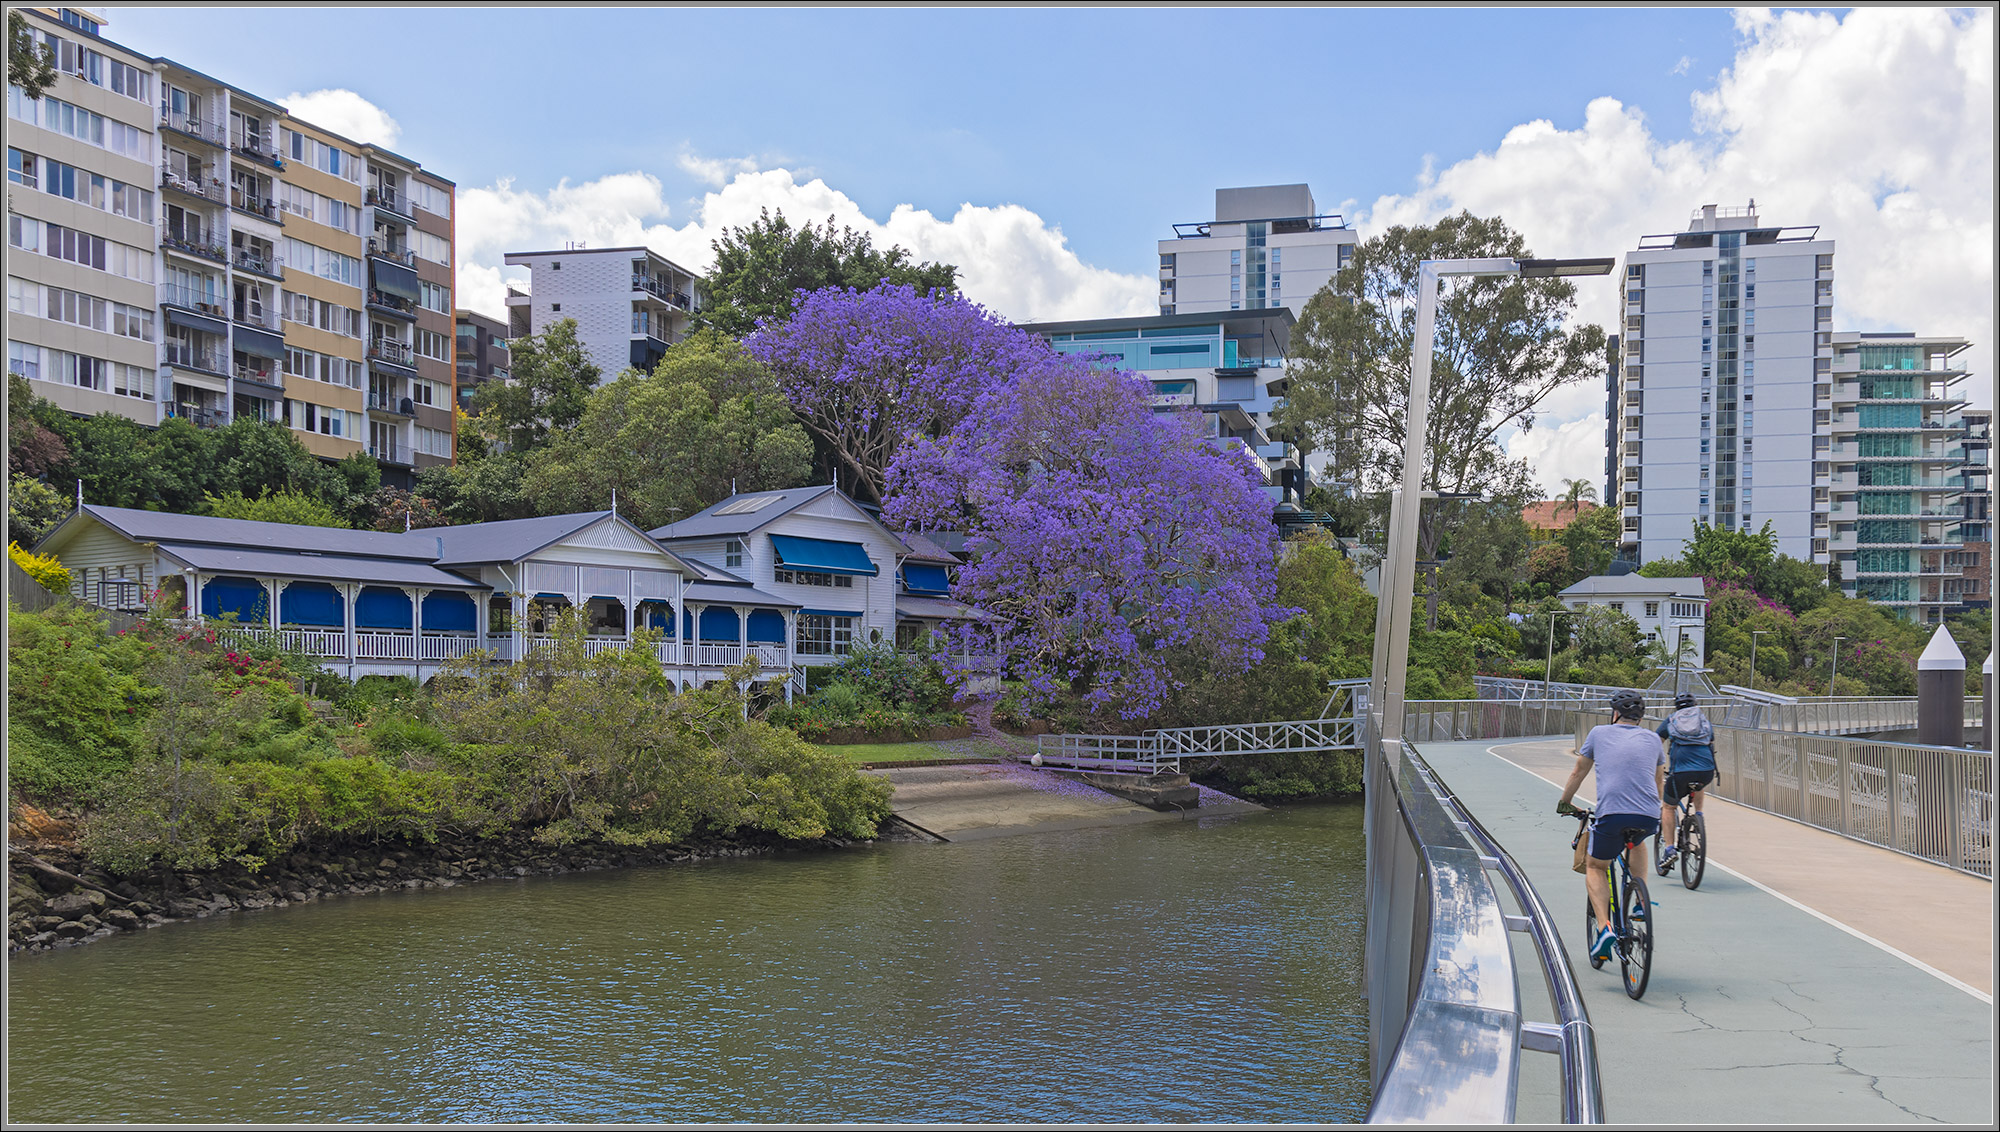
(55, 899)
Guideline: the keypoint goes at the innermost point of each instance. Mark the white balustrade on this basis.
(384, 646)
(448, 646)
(314, 642)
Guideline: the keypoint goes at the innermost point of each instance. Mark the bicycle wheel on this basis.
(1590, 934)
(1661, 865)
(1635, 949)
(1694, 850)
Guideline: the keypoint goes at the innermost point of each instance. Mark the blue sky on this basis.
(1111, 124)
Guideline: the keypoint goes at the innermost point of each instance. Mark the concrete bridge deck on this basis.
(1810, 980)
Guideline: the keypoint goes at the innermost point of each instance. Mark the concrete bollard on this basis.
(1941, 692)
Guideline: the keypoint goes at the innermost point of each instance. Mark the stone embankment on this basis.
(56, 900)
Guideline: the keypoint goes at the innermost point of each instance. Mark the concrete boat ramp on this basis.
(970, 802)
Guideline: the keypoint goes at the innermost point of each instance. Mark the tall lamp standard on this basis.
(1549, 670)
(1399, 565)
(1754, 634)
(1835, 674)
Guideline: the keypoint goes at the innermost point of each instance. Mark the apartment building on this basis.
(1975, 561)
(1903, 468)
(629, 304)
(482, 354)
(1229, 368)
(1268, 246)
(183, 248)
(1722, 394)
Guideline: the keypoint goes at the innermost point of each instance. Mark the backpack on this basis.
(1688, 726)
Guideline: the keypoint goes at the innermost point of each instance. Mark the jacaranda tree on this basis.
(1120, 547)
(868, 371)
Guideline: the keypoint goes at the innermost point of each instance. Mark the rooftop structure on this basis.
(629, 304)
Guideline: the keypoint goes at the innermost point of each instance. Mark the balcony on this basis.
(197, 245)
(261, 262)
(257, 315)
(661, 290)
(253, 204)
(198, 416)
(194, 126)
(185, 356)
(392, 353)
(266, 374)
(391, 404)
(190, 299)
(395, 306)
(192, 183)
(391, 201)
(390, 452)
(393, 252)
(254, 147)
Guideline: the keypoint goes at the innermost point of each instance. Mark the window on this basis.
(315, 260)
(25, 360)
(330, 317)
(423, 392)
(433, 441)
(825, 635)
(434, 296)
(824, 581)
(434, 199)
(431, 344)
(1686, 609)
(1652, 609)
(436, 249)
(732, 554)
(21, 168)
(79, 185)
(1617, 607)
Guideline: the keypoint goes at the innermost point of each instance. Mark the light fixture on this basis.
(1562, 268)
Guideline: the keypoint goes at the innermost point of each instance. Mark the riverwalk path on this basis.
(1810, 980)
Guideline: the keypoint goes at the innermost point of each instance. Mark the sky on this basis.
(1046, 151)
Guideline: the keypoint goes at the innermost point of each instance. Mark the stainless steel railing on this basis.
(1933, 803)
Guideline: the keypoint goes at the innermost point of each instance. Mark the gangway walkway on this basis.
(1766, 1005)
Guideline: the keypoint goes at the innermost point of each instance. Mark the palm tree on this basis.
(1574, 493)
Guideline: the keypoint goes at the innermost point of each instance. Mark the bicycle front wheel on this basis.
(1635, 950)
(1694, 850)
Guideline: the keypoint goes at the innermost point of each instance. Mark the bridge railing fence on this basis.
(1934, 803)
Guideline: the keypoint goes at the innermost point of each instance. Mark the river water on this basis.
(1174, 971)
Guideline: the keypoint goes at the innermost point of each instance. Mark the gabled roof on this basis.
(511, 540)
(315, 567)
(739, 515)
(1629, 585)
(243, 534)
(922, 549)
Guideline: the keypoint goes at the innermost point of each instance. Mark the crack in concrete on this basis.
(1874, 1081)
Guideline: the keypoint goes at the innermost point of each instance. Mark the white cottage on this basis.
(1666, 609)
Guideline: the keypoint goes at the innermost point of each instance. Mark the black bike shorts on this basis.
(1684, 782)
(1609, 833)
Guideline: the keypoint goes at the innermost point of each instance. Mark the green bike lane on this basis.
(1758, 1011)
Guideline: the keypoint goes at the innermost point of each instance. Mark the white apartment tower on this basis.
(1724, 387)
(1267, 247)
(629, 304)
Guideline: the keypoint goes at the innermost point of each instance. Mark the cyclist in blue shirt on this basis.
(1690, 740)
(1630, 765)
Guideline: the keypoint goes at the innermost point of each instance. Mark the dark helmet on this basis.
(1683, 701)
(1628, 704)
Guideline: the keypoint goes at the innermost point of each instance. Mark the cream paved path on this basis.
(1761, 1012)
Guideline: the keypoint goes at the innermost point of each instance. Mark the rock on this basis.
(72, 930)
(123, 920)
(47, 923)
(26, 898)
(83, 900)
(45, 939)
(183, 908)
(387, 863)
(91, 922)
(520, 870)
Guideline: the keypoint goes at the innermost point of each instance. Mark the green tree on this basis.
(760, 269)
(1503, 345)
(33, 509)
(32, 447)
(1591, 540)
(708, 421)
(1488, 548)
(292, 507)
(552, 378)
(1730, 556)
(253, 457)
(1575, 492)
(30, 65)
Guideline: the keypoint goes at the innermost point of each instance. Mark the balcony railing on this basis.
(390, 403)
(254, 146)
(390, 200)
(261, 262)
(389, 452)
(394, 253)
(195, 357)
(192, 299)
(392, 304)
(200, 418)
(203, 246)
(392, 353)
(193, 184)
(253, 204)
(660, 289)
(255, 315)
(193, 125)
(264, 375)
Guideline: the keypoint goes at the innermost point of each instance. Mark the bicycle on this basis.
(1691, 840)
(1631, 918)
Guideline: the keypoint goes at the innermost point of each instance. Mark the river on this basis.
(1195, 971)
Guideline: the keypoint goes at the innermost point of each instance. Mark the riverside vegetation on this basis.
(171, 770)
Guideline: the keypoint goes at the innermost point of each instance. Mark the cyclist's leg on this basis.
(1597, 882)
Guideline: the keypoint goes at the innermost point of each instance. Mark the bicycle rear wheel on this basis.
(1590, 934)
(1694, 850)
(1635, 950)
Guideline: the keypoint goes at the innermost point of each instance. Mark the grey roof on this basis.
(719, 593)
(328, 568)
(939, 609)
(508, 540)
(707, 523)
(1626, 585)
(164, 527)
(922, 549)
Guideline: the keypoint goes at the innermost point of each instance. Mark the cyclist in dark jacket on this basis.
(1690, 740)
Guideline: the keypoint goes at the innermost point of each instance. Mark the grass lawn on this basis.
(913, 752)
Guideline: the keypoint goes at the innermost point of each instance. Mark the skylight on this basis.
(747, 505)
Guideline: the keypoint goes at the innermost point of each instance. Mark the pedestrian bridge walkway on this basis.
(1811, 979)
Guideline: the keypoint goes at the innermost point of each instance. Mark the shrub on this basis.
(43, 568)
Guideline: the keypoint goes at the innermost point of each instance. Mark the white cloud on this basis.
(1878, 128)
(1681, 68)
(345, 113)
(1009, 258)
(715, 171)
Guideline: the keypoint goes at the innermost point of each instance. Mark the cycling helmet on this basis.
(1628, 704)
(1683, 701)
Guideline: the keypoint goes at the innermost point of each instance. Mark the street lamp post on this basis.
(1754, 634)
(1835, 674)
(1398, 575)
(1549, 669)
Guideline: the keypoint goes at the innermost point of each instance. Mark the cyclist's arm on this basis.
(1576, 776)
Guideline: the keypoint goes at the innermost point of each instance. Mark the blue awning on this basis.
(767, 627)
(829, 613)
(919, 578)
(262, 343)
(379, 607)
(823, 556)
(312, 603)
(450, 613)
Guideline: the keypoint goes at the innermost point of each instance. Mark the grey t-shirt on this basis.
(1626, 759)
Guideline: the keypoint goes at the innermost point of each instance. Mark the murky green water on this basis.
(1163, 972)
